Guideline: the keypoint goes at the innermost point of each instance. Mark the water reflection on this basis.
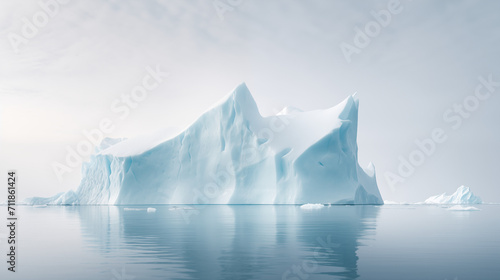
(231, 242)
(334, 236)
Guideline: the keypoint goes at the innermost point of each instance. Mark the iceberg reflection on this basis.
(231, 241)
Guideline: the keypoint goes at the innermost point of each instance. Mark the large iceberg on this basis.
(463, 195)
(233, 155)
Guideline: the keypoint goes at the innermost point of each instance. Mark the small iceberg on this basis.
(40, 206)
(310, 206)
(149, 209)
(463, 208)
(134, 209)
(462, 196)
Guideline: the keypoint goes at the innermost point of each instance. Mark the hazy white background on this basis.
(428, 58)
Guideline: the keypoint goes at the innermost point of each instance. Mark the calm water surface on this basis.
(256, 242)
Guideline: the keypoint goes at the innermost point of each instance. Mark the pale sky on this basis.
(63, 77)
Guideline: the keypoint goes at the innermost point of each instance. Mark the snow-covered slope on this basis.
(233, 155)
(463, 195)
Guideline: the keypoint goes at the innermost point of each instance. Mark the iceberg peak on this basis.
(349, 109)
(463, 190)
(241, 91)
(240, 94)
(241, 100)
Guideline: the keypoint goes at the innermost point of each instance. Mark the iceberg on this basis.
(234, 155)
(463, 195)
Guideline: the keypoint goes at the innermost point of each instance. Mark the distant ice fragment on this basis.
(310, 206)
(151, 210)
(173, 208)
(388, 202)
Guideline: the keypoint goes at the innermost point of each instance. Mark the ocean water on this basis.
(256, 242)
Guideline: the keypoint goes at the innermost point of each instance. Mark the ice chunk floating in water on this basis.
(233, 155)
(310, 206)
(462, 196)
(134, 209)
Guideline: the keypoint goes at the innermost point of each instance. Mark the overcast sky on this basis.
(62, 78)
